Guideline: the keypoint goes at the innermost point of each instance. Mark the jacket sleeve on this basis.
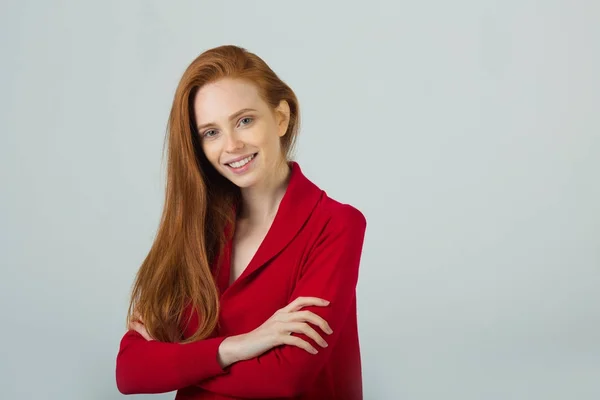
(331, 272)
(157, 367)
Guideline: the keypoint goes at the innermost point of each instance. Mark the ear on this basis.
(282, 116)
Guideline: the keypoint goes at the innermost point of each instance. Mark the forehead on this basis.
(220, 99)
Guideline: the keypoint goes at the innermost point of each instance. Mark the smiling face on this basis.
(239, 132)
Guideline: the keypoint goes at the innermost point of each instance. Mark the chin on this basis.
(245, 181)
(247, 178)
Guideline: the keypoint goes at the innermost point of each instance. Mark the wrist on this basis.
(229, 351)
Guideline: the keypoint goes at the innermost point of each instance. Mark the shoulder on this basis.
(326, 212)
(341, 216)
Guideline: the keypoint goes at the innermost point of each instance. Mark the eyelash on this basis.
(205, 133)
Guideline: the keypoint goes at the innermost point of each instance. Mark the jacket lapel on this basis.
(297, 204)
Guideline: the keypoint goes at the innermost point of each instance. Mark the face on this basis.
(239, 132)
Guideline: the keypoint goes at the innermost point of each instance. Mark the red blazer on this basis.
(313, 248)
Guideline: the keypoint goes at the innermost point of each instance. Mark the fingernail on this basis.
(329, 331)
(324, 344)
(314, 351)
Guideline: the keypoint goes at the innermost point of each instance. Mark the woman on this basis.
(249, 288)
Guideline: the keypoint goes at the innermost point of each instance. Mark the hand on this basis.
(277, 331)
(137, 324)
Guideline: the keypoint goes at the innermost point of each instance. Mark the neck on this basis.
(260, 203)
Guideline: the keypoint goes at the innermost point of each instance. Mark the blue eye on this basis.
(209, 133)
(249, 119)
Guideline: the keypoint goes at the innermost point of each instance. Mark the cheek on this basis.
(275, 145)
(271, 140)
(211, 152)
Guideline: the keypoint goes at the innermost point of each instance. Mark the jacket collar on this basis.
(295, 208)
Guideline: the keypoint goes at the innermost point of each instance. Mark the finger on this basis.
(133, 325)
(308, 316)
(301, 327)
(136, 326)
(296, 341)
(139, 328)
(301, 302)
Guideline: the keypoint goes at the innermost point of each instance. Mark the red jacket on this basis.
(313, 248)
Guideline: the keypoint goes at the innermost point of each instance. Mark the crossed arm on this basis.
(331, 273)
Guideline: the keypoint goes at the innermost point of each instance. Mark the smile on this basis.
(242, 165)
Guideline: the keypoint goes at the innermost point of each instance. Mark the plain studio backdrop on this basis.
(468, 132)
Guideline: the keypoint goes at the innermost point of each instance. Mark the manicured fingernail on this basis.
(326, 301)
(314, 351)
(324, 344)
(329, 331)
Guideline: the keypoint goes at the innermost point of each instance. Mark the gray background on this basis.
(468, 132)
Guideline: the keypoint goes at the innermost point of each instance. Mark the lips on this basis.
(240, 162)
(241, 165)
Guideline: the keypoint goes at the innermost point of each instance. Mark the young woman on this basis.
(249, 290)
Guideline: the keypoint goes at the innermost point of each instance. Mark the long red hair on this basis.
(199, 203)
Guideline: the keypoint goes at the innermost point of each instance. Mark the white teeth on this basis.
(241, 163)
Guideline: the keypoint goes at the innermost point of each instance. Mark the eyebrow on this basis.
(231, 117)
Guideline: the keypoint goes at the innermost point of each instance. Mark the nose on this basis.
(233, 143)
